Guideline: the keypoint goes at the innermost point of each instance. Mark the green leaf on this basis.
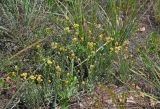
(81, 48)
(2, 82)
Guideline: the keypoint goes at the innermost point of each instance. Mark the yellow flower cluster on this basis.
(83, 83)
(109, 39)
(67, 30)
(49, 81)
(49, 30)
(111, 49)
(76, 26)
(32, 77)
(126, 44)
(16, 67)
(66, 82)
(74, 40)
(58, 68)
(100, 37)
(90, 45)
(39, 78)
(72, 55)
(54, 45)
(81, 38)
(91, 67)
(24, 75)
(49, 62)
(62, 49)
(38, 46)
(117, 49)
(36, 77)
(13, 74)
(90, 32)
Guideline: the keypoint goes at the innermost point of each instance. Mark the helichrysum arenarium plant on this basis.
(85, 37)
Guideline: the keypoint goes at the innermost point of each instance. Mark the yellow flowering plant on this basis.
(49, 62)
(24, 75)
(75, 48)
(67, 30)
(39, 78)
